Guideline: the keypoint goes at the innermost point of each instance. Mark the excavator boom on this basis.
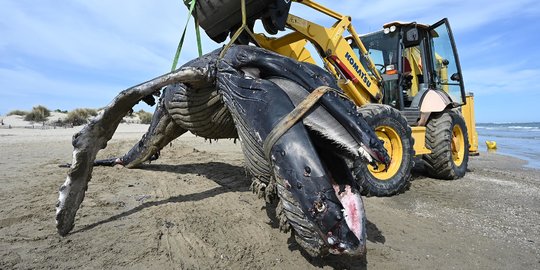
(356, 73)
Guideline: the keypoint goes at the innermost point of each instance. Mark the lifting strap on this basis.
(181, 43)
(292, 118)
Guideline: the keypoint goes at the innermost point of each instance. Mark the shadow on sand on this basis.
(233, 179)
(230, 178)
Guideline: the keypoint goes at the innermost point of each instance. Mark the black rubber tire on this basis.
(439, 164)
(377, 115)
(217, 17)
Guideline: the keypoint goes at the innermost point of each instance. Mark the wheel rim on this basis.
(394, 147)
(458, 145)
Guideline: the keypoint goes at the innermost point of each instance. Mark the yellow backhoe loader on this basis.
(405, 79)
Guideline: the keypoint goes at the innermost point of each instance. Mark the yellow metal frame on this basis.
(332, 47)
(467, 111)
(419, 136)
(292, 45)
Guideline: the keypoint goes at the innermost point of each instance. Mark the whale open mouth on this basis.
(354, 214)
(336, 151)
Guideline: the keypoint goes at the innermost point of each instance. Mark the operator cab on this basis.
(413, 58)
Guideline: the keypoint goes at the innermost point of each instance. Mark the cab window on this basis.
(446, 70)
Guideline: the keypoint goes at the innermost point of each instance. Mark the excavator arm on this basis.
(356, 73)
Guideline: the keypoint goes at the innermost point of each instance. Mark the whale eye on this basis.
(320, 206)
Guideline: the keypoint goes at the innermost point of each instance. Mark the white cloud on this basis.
(507, 80)
(482, 45)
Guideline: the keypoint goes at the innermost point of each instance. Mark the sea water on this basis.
(521, 140)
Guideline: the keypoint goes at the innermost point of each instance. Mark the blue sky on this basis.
(79, 53)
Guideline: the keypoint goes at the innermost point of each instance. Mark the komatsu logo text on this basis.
(362, 75)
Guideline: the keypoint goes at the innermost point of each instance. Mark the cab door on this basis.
(445, 70)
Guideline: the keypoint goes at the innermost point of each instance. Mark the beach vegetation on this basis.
(146, 117)
(38, 114)
(17, 112)
(79, 116)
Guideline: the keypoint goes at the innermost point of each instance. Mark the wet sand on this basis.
(192, 209)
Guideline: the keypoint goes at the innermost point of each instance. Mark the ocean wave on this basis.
(510, 129)
(525, 127)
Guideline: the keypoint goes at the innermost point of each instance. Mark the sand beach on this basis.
(192, 209)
